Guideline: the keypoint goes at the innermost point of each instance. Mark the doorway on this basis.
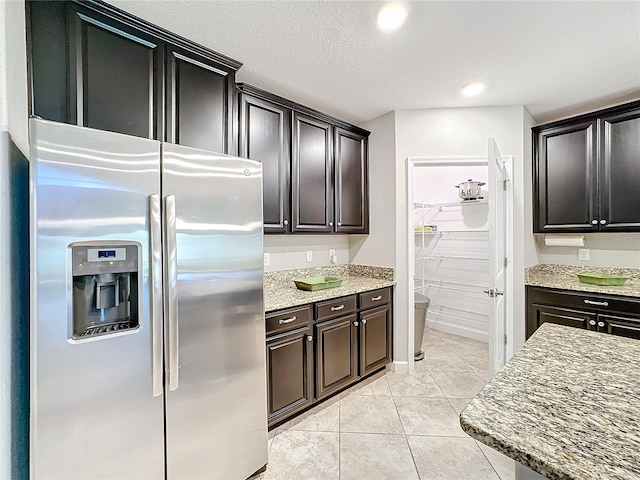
(459, 249)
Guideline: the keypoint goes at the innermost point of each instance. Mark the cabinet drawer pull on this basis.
(282, 321)
(592, 302)
(592, 322)
(335, 309)
(601, 324)
(376, 298)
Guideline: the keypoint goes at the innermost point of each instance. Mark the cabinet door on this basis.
(375, 339)
(289, 373)
(620, 171)
(565, 179)
(311, 176)
(539, 314)
(622, 326)
(199, 102)
(336, 354)
(265, 136)
(115, 75)
(351, 195)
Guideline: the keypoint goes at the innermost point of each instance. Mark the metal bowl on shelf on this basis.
(470, 190)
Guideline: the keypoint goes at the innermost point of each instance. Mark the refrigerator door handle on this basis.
(155, 234)
(171, 284)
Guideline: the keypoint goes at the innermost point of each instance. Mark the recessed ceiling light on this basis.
(473, 88)
(391, 16)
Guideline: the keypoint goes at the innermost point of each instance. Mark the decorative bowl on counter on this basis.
(317, 283)
(603, 279)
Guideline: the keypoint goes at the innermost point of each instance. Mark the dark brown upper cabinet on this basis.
(311, 175)
(351, 196)
(115, 75)
(94, 65)
(265, 133)
(586, 171)
(314, 166)
(199, 102)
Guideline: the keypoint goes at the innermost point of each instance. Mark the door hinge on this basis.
(504, 184)
(506, 262)
(505, 338)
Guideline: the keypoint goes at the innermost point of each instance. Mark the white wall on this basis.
(379, 247)
(13, 118)
(606, 250)
(290, 251)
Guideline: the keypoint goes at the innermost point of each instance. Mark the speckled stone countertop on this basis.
(280, 291)
(567, 406)
(564, 277)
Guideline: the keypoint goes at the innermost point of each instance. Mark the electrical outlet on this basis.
(583, 254)
(267, 259)
(309, 256)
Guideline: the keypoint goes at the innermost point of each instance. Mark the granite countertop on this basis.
(567, 406)
(280, 291)
(564, 277)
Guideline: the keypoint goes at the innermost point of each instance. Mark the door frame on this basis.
(480, 160)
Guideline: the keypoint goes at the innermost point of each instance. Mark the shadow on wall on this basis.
(18, 249)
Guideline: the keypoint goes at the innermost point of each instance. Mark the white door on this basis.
(498, 178)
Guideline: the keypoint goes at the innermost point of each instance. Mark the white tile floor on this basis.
(396, 426)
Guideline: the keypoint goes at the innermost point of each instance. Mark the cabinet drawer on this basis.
(284, 320)
(592, 301)
(335, 307)
(374, 298)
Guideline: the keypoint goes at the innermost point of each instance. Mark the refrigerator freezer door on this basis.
(93, 412)
(216, 417)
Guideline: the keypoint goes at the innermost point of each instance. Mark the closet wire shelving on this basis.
(451, 285)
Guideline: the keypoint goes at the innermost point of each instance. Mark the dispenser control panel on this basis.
(105, 289)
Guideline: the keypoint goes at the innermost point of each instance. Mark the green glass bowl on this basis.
(317, 283)
(601, 279)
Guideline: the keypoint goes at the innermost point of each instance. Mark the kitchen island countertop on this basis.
(567, 406)
(280, 291)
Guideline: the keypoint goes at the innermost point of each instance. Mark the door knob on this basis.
(364, 322)
(601, 324)
(355, 324)
(592, 322)
(286, 222)
(309, 338)
(594, 222)
(603, 222)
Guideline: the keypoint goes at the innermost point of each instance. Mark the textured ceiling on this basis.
(556, 58)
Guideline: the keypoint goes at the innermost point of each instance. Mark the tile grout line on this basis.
(404, 433)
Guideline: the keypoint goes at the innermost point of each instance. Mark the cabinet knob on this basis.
(309, 338)
(286, 222)
(594, 222)
(603, 222)
(355, 324)
(592, 322)
(364, 321)
(601, 324)
(339, 224)
(331, 224)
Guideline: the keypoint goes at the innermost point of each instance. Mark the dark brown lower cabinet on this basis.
(289, 373)
(375, 339)
(336, 354)
(611, 314)
(310, 359)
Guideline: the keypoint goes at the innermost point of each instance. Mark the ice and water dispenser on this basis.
(105, 289)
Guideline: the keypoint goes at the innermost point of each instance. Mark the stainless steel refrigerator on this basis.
(147, 321)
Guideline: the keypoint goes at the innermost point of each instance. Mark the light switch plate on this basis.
(583, 254)
(309, 256)
(267, 259)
